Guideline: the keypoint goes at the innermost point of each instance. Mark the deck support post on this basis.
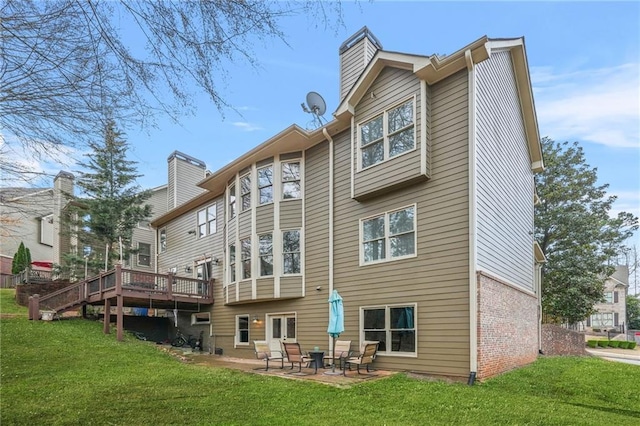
(119, 319)
(107, 315)
(34, 307)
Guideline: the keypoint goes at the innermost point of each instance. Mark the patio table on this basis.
(317, 358)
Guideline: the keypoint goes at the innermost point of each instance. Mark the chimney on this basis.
(355, 54)
(63, 189)
(184, 173)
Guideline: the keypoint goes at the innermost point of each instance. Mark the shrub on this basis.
(603, 343)
(632, 345)
(596, 330)
(592, 343)
(614, 343)
(623, 345)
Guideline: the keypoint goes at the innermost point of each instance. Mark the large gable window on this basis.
(291, 180)
(291, 252)
(393, 326)
(232, 201)
(245, 191)
(266, 255)
(387, 135)
(265, 184)
(389, 236)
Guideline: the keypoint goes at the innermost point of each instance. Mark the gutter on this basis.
(473, 283)
(331, 171)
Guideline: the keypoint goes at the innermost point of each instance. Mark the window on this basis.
(201, 318)
(608, 296)
(602, 319)
(232, 263)
(245, 257)
(245, 192)
(265, 184)
(232, 201)
(144, 254)
(389, 236)
(291, 252)
(144, 224)
(387, 135)
(266, 255)
(162, 241)
(207, 221)
(242, 329)
(291, 180)
(392, 326)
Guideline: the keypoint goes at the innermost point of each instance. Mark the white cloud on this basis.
(596, 105)
(245, 126)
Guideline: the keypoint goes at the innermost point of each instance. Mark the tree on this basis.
(21, 259)
(573, 227)
(110, 206)
(633, 313)
(68, 65)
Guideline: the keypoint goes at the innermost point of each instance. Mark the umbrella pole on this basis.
(333, 355)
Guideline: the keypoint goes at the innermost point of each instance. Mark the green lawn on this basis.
(68, 372)
(8, 303)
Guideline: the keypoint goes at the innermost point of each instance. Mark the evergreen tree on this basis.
(579, 238)
(633, 313)
(102, 218)
(21, 259)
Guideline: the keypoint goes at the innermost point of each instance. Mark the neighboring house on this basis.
(26, 215)
(415, 202)
(611, 314)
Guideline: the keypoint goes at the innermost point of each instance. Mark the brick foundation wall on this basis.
(560, 341)
(507, 327)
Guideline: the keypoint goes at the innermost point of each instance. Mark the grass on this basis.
(8, 305)
(68, 372)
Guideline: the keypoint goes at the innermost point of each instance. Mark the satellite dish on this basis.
(316, 106)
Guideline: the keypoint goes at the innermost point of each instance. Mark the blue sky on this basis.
(584, 59)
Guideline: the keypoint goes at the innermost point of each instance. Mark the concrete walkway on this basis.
(629, 356)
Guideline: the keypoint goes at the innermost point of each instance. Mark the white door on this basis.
(281, 327)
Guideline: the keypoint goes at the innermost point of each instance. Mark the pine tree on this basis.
(110, 206)
(21, 259)
(579, 238)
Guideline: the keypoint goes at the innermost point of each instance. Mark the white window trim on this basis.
(233, 266)
(600, 316)
(300, 179)
(282, 252)
(236, 337)
(386, 236)
(228, 202)
(207, 222)
(203, 314)
(385, 134)
(258, 187)
(147, 227)
(387, 318)
(242, 260)
(250, 193)
(161, 248)
(259, 256)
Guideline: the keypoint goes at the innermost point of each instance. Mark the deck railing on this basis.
(28, 276)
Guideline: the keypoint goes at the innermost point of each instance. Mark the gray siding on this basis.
(290, 214)
(183, 176)
(352, 62)
(158, 203)
(505, 187)
(437, 279)
(264, 218)
(391, 87)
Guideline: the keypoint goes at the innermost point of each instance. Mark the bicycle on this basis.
(180, 340)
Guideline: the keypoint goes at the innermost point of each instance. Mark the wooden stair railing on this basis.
(64, 299)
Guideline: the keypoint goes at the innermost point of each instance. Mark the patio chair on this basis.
(263, 351)
(295, 356)
(366, 357)
(341, 352)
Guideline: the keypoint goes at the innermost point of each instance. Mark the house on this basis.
(26, 216)
(415, 202)
(611, 314)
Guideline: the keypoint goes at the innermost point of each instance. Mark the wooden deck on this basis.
(127, 288)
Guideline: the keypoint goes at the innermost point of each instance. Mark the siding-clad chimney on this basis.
(355, 54)
(184, 173)
(62, 190)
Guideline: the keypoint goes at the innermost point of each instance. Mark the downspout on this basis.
(473, 284)
(326, 135)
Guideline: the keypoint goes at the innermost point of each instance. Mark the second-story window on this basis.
(389, 236)
(387, 135)
(245, 192)
(291, 180)
(245, 257)
(232, 201)
(291, 252)
(207, 221)
(265, 184)
(162, 241)
(232, 262)
(266, 255)
(144, 254)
